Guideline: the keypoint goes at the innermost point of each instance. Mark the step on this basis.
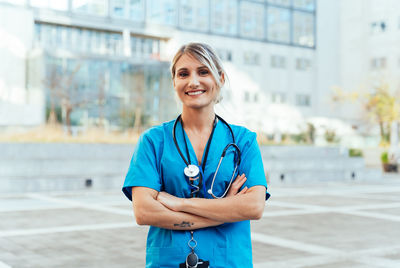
(47, 151)
(305, 176)
(282, 152)
(60, 183)
(64, 167)
(311, 164)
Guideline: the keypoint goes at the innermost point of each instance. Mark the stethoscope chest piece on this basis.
(192, 172)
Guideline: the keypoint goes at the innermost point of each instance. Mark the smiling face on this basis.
(194, 83)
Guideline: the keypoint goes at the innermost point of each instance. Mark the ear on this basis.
(222, 78)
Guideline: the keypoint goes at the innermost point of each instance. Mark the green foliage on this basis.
(385, 157)
(299, 138)
(58, 112)
(330, 136)
(382, 106)
(354, 152)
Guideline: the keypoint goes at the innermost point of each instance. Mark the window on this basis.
(278, 61)
(162, 11)
(303, 100)
(224, 16)
(82, 40)
(93, 7)
(194, 15)
(59, 5)
(378, 27)
(304, 4)
(303, 64)
(15, 2)
(255, 97)
(278, 97)
(246, 96)
(278, 25)
(378, 63)
(252, 20)
(251, 58)
(224, 54)
(303, 29)
(279, 2)
(250, 97)
(127, 9)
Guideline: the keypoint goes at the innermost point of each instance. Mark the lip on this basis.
(196, 90)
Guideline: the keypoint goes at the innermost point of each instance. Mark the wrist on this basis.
(184, 204)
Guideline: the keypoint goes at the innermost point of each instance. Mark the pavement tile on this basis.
(57, 217)
(323, 238)
(262, 251)
(330, 200)
(334, 230)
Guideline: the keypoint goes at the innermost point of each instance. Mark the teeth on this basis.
(195, 93)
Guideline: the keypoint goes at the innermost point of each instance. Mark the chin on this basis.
(198, 105)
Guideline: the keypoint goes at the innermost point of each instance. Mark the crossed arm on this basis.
(167, 211)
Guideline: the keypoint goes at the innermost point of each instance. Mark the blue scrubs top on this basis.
(157, 164)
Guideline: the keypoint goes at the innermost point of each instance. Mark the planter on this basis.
(389, 167)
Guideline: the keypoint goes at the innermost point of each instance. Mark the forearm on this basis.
(148, 211)
(163, 217)
(249, 206)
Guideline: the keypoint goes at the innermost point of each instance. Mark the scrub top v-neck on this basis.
(156, 164)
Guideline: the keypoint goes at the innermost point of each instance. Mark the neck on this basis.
(198, 120)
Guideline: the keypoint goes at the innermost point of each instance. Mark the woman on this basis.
(171, 176)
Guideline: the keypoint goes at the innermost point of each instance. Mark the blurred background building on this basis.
(107, 61)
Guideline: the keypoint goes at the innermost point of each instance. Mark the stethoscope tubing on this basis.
(237, 158)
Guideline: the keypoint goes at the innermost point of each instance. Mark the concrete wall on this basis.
(327, 71)
(18, 106)
(68, 167)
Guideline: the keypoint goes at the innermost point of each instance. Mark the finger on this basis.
(243, 191)
(238, 180)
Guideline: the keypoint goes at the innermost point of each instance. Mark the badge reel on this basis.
(192, 260)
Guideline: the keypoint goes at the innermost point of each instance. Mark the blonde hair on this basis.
(204, 54)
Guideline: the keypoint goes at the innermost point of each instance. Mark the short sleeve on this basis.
(251, 163)
(143, 169)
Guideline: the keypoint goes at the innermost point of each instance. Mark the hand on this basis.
(172, 202)
(236, 184)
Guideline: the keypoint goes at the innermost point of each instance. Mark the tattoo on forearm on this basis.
(184, 224)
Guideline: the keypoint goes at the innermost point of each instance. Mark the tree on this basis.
(382, 106)
(65, 91)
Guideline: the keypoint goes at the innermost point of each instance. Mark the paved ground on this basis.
(320, 225)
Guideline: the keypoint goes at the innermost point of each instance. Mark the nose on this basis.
(194, 81)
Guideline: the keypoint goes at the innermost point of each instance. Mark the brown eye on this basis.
(204, 72)
(182, 74)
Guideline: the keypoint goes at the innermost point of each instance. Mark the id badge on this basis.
(200, 264)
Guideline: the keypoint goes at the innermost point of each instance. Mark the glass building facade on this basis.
(119, 75)
(290, 22)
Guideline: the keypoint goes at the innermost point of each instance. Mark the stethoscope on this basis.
(193, 172)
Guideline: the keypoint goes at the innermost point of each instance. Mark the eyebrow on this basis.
(198, 68)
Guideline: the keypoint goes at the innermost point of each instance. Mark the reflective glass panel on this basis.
(58, 5)
(128, 9)
(303, 29)
(93, 7)
(162, 12)
(278, 25)
(304, 4)
(279, 2)
(224, 16)
(194, 15)
(252, 20)
(15, 2)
